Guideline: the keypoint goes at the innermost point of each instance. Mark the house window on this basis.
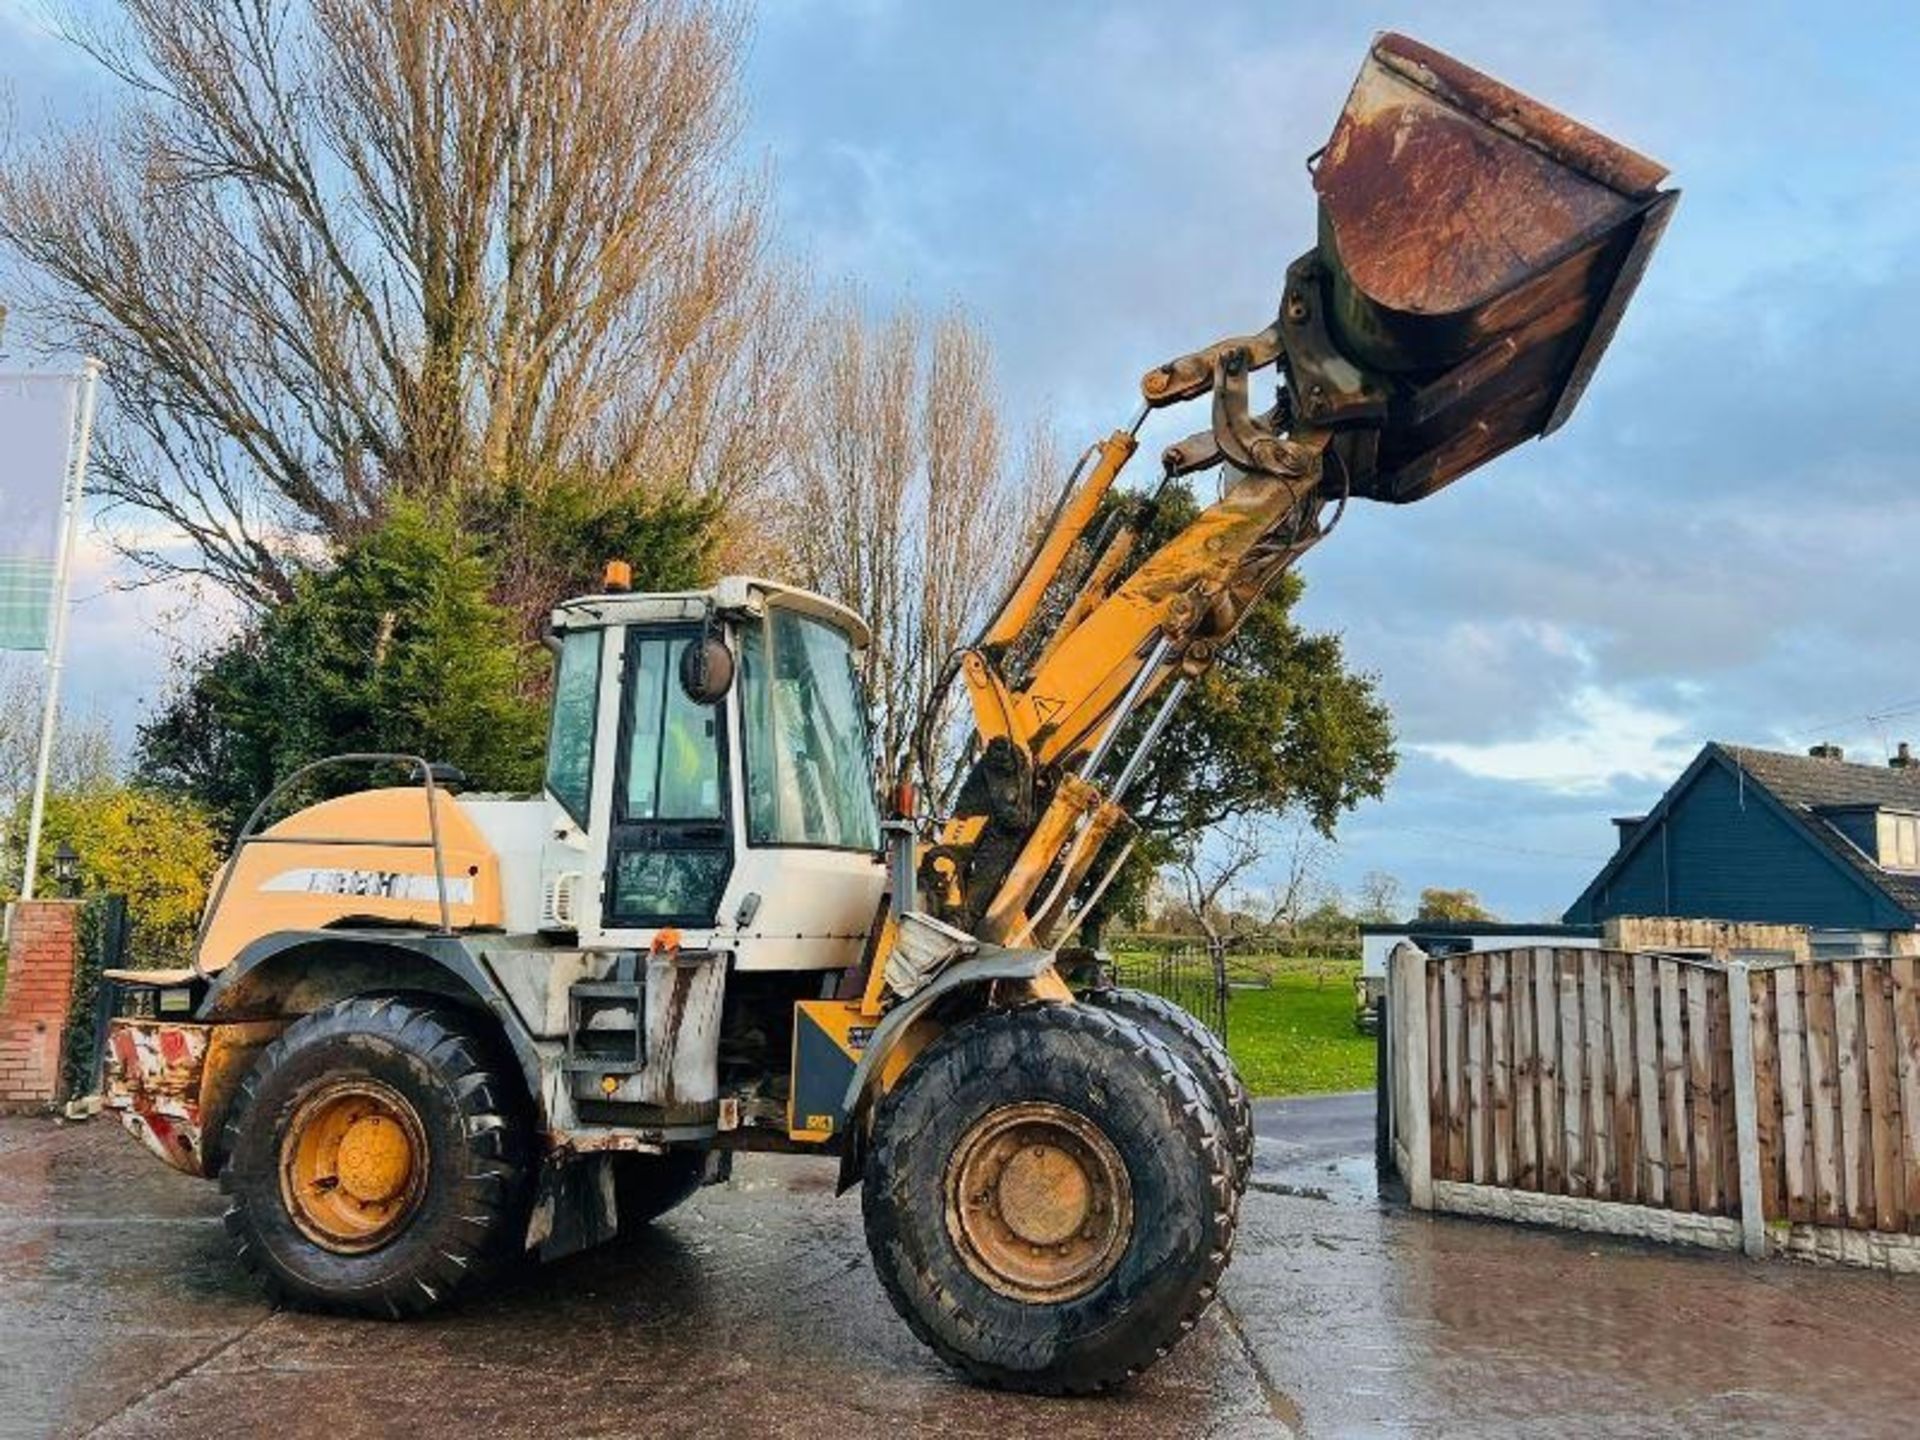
(1899, 842)
(1846, 944)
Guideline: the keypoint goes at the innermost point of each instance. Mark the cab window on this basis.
(669, 853)
(809, 767)
(576, 704)
(673, 758)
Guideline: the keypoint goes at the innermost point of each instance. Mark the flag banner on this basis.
(36, 443)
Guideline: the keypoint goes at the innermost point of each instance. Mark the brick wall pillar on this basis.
(33, 1011)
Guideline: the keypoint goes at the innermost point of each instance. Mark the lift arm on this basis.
(1032, 806)
(1475, 252)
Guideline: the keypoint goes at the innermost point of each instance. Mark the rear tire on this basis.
(1188, 1036)
(1047, 1199)
(376, 1158)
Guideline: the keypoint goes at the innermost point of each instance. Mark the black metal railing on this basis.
(1194, 977)
(247, 836)
(104, 935)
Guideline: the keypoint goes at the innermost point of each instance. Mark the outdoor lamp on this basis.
(66, 870)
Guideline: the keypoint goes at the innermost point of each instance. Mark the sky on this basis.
(1719, 544)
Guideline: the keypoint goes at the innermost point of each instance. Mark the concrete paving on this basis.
(753, 1310)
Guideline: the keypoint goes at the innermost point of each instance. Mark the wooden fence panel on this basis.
(1618, 978)
(1706, 1136)
(1906, 1039)
(1646, 1064)
(1613, 1077)
(1593, 1009)
(1474, 998)
(1728, 1135)
(1796, 1135)
(1766, 1086)
(1823, 1097)
(1546, 1011)
(1526, 1075)
(1572, 1071)
(1436, 1075)
(1453, 1026)
(1883, 1096)
(1855, 1179)
(1673, 1074)
(1500, 1068)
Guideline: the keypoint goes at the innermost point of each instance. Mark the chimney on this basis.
(1827, 750)
(1902, 758)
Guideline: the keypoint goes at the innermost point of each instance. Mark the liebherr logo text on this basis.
(370, 884)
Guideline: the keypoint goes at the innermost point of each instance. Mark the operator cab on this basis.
(709, 769)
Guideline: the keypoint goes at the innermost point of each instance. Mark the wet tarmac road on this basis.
(753, 1311)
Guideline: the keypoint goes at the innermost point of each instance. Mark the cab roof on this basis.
(730, 595)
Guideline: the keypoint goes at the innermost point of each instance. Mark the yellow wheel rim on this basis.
(1039, 1204)
(353, 1165)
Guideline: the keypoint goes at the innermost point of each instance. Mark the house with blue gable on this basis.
(1785, 839)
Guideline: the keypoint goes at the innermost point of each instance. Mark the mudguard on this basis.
(981, 969)
(231, 994)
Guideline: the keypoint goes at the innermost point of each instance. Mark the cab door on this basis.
(669, 844)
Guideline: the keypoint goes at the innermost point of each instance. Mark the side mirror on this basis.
(445, 776)
(706, 669)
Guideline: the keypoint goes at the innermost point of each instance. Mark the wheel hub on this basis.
(353, 1165)
(1039, 1204)
(374, 1159)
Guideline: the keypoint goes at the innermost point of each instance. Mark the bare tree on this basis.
(902, 503)
(83, 748)
(1381, 900)
(1210, 864)
(1209, 869)
(343, 249)
(1296, 889)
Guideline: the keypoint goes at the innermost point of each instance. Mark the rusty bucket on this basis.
(1475, 252)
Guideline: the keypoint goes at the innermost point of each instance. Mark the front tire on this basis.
(1187, 1036)
(376, 1158)
(1047, 1199)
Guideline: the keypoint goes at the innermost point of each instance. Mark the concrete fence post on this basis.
(1746, 1120)
(1407, 1055)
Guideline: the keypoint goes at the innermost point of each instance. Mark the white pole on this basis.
(1746, 1119)
(57, 647)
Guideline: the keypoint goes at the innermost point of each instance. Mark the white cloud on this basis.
(1598, 739)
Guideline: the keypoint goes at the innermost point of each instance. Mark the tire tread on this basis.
(449, 1040)
(1235, 1103)
(1201, 1132)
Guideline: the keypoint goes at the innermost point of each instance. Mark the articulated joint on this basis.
(1193, 375)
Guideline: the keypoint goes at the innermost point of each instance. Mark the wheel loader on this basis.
(425, 1031)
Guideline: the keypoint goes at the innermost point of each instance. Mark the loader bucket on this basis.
(1476, 250)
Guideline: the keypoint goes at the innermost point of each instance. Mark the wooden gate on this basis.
(1771, 1106)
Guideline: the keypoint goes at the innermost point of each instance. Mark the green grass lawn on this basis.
(1290, 1024)
(1298, 1037)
